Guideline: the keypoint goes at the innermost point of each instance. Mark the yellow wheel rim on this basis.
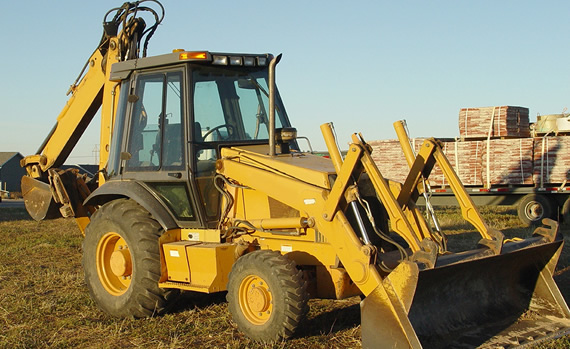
(114, 263)
(255, 299)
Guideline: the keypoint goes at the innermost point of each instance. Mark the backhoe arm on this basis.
(46, 188)
(85, 101)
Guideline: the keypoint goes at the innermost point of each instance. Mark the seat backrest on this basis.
(173, 145)
(198, 133)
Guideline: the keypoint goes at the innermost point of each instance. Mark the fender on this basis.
(136, 191)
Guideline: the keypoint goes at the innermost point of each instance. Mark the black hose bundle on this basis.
(133, 31)
(133, 27)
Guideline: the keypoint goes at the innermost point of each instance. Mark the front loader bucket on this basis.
(470, 299)
(38, 199)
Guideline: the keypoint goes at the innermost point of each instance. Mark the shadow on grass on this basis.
(327, 322)
(8, 214)
(324, 322)
(189, 300)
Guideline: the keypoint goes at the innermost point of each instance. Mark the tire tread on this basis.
(290, 280)
(146, 298)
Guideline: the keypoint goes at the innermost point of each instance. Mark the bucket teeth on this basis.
(469, 299)
(496, 241)
(427, 255)
(550, 231)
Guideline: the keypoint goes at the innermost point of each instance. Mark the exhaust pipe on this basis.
(272, 65)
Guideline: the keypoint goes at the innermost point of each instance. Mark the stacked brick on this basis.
(465, 161)
(551, 160)
(388, 156)
(508, 157)
(509, 161)
(494, 122)
(465, 157)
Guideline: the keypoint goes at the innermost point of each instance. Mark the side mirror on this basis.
(284, 136)
(246, 84)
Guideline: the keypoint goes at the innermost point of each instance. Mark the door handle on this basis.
(175, 174)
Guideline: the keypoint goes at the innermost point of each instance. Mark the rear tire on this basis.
(267, 296)
(532, 208)
(121, 261)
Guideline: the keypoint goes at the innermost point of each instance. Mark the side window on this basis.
(208, 112)
(156, 132)
(252, 107)
(173, 131)
(144, 124)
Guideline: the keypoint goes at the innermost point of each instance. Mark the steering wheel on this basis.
(231, 130)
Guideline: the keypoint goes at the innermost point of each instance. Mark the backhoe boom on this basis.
(93, 91)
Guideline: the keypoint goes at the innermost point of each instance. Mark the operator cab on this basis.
(176, 112)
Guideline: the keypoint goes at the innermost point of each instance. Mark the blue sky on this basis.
(360, 64)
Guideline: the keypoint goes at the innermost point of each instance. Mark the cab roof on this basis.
(122, 70)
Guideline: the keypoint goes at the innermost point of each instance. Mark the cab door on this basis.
(156, 141)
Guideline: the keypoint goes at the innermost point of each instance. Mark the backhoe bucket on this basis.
(470, 299)
(38, 199)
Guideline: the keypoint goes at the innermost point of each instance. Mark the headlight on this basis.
(236, 61)
(262, 61)
(220, 60)
(249, 61)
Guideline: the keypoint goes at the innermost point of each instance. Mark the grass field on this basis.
(44, 302)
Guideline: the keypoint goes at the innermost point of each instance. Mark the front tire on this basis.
(121, 261)
(267, 296)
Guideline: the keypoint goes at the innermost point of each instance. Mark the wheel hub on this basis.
(121, 262)
(255, 300)
(534, 210)
(114, 263)
(258, 299)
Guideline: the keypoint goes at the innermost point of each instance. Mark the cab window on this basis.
(156, 134)
(231, 105)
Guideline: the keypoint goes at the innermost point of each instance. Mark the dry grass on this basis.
(44, 303)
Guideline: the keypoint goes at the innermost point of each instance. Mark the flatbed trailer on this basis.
(539, 189)
(532, 203)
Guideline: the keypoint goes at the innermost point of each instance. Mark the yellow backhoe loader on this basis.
(202, 186)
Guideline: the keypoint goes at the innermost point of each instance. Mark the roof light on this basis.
(220, 60)
(249, 61)
(192, 55)
(262, 61)
(236, 61)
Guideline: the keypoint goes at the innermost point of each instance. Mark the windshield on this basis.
(232, 104)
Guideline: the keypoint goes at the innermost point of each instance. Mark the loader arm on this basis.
(326, 206)
(323, 207)
(310, 200)
(420, 169)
